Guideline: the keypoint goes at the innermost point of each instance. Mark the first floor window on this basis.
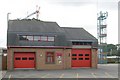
(50, 38)
(30, 38)
(36, 38)
(50, 57)
(21, 37)
(43, 38)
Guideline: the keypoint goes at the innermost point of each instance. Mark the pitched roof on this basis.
(78, 34)
(33, 26)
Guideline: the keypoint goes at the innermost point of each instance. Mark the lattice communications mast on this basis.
(102, 30)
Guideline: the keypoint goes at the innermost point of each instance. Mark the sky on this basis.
(67, 13)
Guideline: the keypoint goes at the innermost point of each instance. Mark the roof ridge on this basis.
(33, 20)
(73, 27)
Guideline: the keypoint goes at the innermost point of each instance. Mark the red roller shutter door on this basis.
(81, 58)
(24, 60)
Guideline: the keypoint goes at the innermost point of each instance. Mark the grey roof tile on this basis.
(77, 34)
(38, 27)
(33, 26)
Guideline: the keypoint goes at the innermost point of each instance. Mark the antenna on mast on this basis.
(36, 12)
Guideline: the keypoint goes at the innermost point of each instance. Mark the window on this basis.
(82, 43)
(31, 58)
(74, 54)
(30, 38)
(80, 58)
(21, 37)
(86, 54)
(43, 38)
(80, 54)
(24, 37)
(36, 38)
(17, 58)
(86, 58)
(4, 51)
(24, 58)
(74, 58)
(89, 43)
(50, 38)
(76, 43)
(50, 57)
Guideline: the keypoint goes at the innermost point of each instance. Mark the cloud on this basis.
(101, 4)
(107, 5)
(72, 2)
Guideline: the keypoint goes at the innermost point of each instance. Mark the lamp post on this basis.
(7, 27)
(8, 17)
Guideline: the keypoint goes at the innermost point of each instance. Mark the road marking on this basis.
(45, 76)
(94, 75)
(77, 75)
(9, 77)
(61, 75)
(109, 76)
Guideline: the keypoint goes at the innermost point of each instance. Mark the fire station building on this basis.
(43, 45)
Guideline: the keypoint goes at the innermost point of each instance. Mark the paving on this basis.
(103, 71)
(2, 74)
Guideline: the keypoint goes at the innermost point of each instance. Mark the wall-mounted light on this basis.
(4, 54)
(40, 55)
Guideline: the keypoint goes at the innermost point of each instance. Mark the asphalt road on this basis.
(103, 71)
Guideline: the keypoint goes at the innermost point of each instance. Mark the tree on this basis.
(111, 49)
(118, 52)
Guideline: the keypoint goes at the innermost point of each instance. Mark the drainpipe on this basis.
(64, 65)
